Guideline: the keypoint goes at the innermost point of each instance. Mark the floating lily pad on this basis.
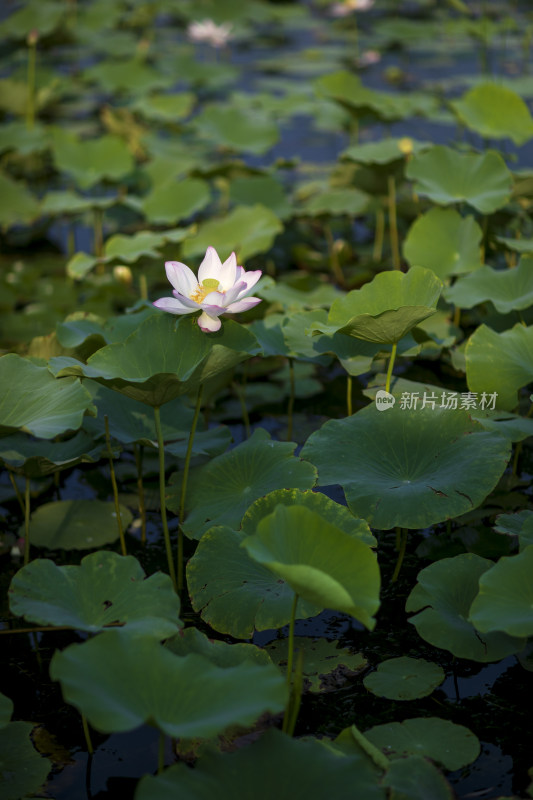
(27, 456)
(404, 678)
(222, 654)
(263, 189)
(309, 768)
(22, 770)
(106, 588)
(446, 176)
(443, 597)
(505, 598)
(335, 202)
(239, 129)
(496, 112)
(416, 778)
(127, 75)
(507, 289)
(332, 512)
(293, 298)
(35, 16)
(6, 709)
(66, 202)
(17, 136)
(500, 362)
(165, 107)
(385, 309)
(445, 242)
(164, 358)
(325, 665)
(385, 151)
(236, 479)
(234, 593)
(408, 467)
(453, 746)
(321, 563)
(33, 400)
(246, 231)
(120, 682)
(91, 160)
(514, 524)
(76, 524)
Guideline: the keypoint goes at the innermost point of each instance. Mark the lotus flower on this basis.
(347, 6)
(209, 31)
(219, 289)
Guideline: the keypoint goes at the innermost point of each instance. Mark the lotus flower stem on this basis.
(240, 392)
(138, 450)
(290, 660)
(393, 224)
(87, 734)
(32, 52)
(184, 486)
(290, 407)
(17, 492)
(457, 316)
(27, 522)
(115, 487)
(518, 448)
(166, 534)
(380, 760)
(98, 233)
(377, 252)
(334, 264)
(349, 407)
(391, 365)
(295, 698)
(401, 554)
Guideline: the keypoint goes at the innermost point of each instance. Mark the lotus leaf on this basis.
(416, 778)
(246, 230)
(6, 709)
(222, 654)
(76, 524)
(505, 598)
(34, 401)
(121, 681)
(404, 678)
(105, 589)
(500, 362)
(321, 563)
(443, 597)
(90, 161)
(17, 204)
(324, 663)
(445, 242)
(22, 770)
(236, 479)
(238, 128)
(408, 467)
(446, 177)
(263, 189)
(23, 454)
(496, 112)
(508, 289)
(172, 201)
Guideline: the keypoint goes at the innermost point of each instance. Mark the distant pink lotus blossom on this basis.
(208, 31)
(368, 58)
(219, 289)
(349, 6)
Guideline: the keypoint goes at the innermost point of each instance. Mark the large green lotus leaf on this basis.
(500, 362)
(507, 289)
(347, 89)
(222, 654)
(285, 335)
(45, 19)
(383, 152)
(17, 204)
(220, 491)
(22, 770)
(131, 74)
(322, 564)
(164, 358)
(246, 230)
(443, 597)
(408, 467)
(496, 112)
(235, 594)
(309, 769)
(446, 176)
(237, 128)
(104, 589)
(121, 681)
(334, 202)
(165, 107)
(6, 709)
(518, 245)
(320, 660)
(76, 524)
(387, 308)
(404, 678)
(142, 245)
(515, 524)
(81, 264)
(265, 189)
(33, 400)
(445, 242)
(505, 599)
(17, 136)
(332, 512)
(171, 201)
(67, 202)
(91, 160)
(23, 454)
(294, 298)
(453, 746)
(416, 778)
(512, 426)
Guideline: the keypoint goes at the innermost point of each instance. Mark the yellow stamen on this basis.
(202, 290)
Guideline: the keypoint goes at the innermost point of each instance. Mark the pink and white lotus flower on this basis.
(220, 288)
